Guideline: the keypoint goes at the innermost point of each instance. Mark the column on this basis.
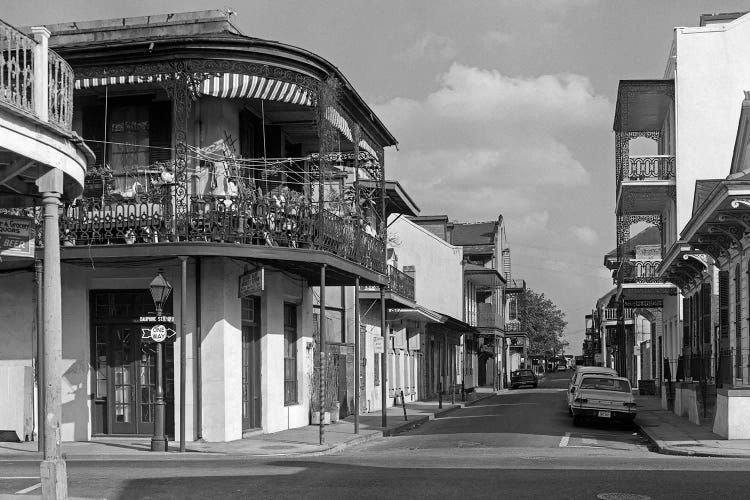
(53, 473)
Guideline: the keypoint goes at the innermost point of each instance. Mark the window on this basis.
(290, 354)
(138, 134)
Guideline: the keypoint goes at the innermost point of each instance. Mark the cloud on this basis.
(585, 234)
(431, 46)
(483, 143)
(494, 38)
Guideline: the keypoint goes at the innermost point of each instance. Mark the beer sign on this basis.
(16, 236)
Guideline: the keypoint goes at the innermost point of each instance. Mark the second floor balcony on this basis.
(488, 317)
(639, 272)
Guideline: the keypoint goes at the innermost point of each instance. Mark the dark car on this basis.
(522, 377)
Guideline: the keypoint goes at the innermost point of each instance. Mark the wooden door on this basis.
(251, 401)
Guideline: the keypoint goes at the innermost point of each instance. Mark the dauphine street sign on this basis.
(16, 236)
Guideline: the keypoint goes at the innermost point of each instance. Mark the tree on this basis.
(545, 324)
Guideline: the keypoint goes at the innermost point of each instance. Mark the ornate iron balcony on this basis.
(654, 167)
(18, 66)
(249, 220)
(639, 271)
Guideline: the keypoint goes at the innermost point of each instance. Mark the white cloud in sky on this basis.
(430, 46)
(585, 234)
(484, 143)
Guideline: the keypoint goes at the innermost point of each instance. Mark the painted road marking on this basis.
(29, 489)
(19, 477)
(564, 440)
(471, 416)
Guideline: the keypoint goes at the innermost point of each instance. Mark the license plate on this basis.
(604, 414)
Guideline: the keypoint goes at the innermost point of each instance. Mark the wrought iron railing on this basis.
(61, 81)
(150, 218)
(400, 282)
(639, 271)
(653, 167)
(17, 78)
(16, 68)
(514, 327)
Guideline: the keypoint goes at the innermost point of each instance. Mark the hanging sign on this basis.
(378, 345)
(252, 283)
(16, 236)
(157, 333)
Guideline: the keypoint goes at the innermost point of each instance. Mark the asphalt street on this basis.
(517, 445)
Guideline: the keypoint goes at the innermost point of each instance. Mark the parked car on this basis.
(523, 377)
(604, 398)
(579, 373)
(562, 368)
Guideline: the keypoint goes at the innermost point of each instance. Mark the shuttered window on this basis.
(737, 323)
(724, 303)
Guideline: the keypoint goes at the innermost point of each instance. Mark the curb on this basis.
(664, 449)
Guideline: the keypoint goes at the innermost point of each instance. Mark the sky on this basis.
(499, 106)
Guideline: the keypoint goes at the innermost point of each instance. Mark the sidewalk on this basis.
(673, 435)
(293, 442)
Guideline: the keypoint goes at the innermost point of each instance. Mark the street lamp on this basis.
(160, 290)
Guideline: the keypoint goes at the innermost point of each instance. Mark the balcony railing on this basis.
(610, 314)
(19, 73)
(514, 327)
(264, 221)
(654, 167)
(639, 271)
(400, 282)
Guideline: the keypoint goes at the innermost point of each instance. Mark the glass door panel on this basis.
(123, 380)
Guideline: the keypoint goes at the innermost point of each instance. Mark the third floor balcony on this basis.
(488, 317)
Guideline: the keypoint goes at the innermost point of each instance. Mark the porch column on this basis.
(322, 353)
(356, 355)
(53, 473)
(183, 353)
(383, 360)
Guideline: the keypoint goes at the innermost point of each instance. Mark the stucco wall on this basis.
(712, 73)
(438, 271)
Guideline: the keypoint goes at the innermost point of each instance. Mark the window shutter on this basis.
(160, 132)
(687, 315)
(724, 303)
(707, 324)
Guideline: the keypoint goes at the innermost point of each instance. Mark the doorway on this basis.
(251, 400)
(124, 365)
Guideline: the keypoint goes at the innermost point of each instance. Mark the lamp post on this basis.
(160, 290)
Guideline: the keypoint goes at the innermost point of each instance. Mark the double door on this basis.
(126, 381)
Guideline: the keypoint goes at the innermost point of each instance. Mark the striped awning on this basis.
(235, 85)
(230, 85)
(226, 85)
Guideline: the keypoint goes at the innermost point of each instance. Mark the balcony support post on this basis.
(41, 72)
(53, 472)
(383, 361)
(322, 356)
(356, 354)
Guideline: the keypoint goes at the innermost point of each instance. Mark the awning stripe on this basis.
(235, 85)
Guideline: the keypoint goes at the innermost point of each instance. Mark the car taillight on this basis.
(630, 405)
(581, 400)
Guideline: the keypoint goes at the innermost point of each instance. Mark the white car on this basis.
(604, 398)
(579, 373)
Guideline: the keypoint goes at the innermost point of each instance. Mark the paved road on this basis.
(520, 445)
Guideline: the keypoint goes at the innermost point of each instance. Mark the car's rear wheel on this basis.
(576, 420)
(570, 411)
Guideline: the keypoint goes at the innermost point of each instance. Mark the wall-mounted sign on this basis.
(156, 319)
(597, 357)
(378, 345)
(16, 236)
(157, 333)
(645, 303)
(252, 282)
